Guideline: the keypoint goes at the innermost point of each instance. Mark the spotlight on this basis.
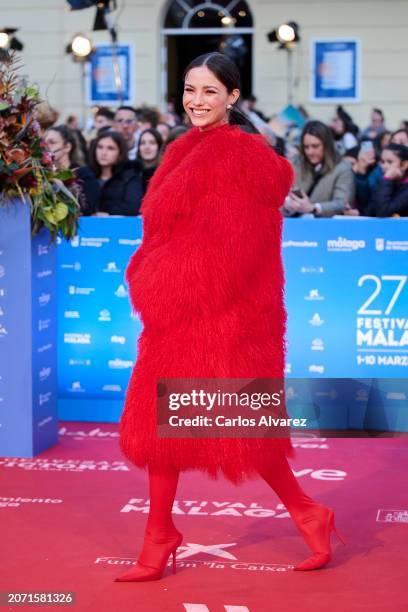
(81, 48)
(9, 41)
(286, 34)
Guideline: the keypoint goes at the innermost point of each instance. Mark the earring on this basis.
(229, 106)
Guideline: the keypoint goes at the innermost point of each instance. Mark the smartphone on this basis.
(367, 145)
(298, 193)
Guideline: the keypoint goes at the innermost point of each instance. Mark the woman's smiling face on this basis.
(205, 98)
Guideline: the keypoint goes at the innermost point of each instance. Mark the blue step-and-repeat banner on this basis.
(346, 296)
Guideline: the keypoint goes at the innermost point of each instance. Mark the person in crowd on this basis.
(126, 123)
(175, 133)
(324, 183)
(403, 125)
(72, 122)
(148, 117)
(367, 174)
(46, 116)
(61, 142)
(248, 105)
(344, 131)
(170, 116)
(400, 137)
(148, 154)
(383, 140)
(391, 195)
(104, 118)
(377, 124)
(164, 129)
(120, 181)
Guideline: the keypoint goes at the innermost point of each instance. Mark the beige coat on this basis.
(333, 191)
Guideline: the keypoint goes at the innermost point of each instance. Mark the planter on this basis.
(28, 347)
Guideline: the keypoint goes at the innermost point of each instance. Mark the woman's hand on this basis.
(394, 173)
(364, 161)
(351, 212)
(296, 204)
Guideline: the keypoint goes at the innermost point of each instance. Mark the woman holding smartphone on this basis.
(324, 182)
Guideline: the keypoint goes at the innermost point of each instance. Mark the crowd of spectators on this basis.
(339, 169)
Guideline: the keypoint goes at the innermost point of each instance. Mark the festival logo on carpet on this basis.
(392, 516)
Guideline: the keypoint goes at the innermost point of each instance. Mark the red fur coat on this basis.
(207, 282)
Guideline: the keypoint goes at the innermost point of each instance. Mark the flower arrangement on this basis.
(26, 168)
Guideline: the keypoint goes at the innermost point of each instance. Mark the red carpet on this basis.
(73, 519)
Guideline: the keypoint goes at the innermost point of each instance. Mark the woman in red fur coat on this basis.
(207, 282)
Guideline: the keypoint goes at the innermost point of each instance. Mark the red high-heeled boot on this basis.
(153, 559)
(314, 521)
(316, 527)
(161, 537)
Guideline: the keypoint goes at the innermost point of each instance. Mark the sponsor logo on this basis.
(44, 348)
(72, 290)
(1, 312)
(114, 388)
(209, 563)
(130, 242)
(331, 394)
(317, 344)
(316, 369)
(288, 368)
(89, 242)
(312, 269)
(43, 422)
(43, 398)
(77, 338)
(392, 516)
(314, 295)
(121, 291)
(345, 245)
(118, 339)
(300, 244)
(3, 331)
(2, 271)
(43, 324)
(93, 433)
(119, 364)
(64, 465)
(316, 320)
(2, 292)
(44, 273)
(42, 249)
(75, 266)
(71, 314)
(391, 245)
(44, 299)
(76, 387)
(79, 362)
(362, 395)
(44, 373)
(104, 315)
(396, 395)
(15, 502)
(111, 267)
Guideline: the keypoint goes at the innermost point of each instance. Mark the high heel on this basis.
(316, 529)
(153, 559)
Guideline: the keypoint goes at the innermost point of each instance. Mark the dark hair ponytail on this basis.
(228, 74)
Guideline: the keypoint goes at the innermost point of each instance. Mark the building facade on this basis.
(165, 33)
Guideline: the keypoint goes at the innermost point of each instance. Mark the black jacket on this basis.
(122, 194)
(89, 190)
(390, 198)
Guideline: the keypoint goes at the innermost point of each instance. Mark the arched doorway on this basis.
(192, 27)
